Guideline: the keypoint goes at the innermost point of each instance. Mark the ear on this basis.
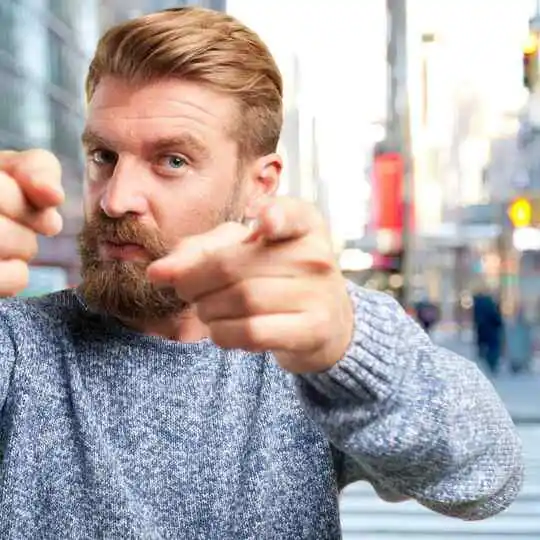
(263, 181)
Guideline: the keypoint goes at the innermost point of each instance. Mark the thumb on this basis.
(286, 218)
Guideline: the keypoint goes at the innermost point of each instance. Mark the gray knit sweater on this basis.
(109, 434)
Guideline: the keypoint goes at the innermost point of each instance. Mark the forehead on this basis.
(120, 111)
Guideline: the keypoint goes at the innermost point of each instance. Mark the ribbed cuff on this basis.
(374, 363)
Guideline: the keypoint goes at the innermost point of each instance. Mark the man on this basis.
(489, 329)
(427, 314)
(211, 379)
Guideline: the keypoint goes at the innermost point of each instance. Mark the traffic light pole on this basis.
(531, 78)
(398, 137)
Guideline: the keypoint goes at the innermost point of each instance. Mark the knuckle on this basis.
(19, 241)
(316, 257)
(37, 166)
(30, 248)
(308, 210)
(221, 336)
(226, 267)
(14, 277)
(21, 276)
(252, 335)
(248, 298)
(205, 311)
(12, 201)
(48, 221)
(245, 334)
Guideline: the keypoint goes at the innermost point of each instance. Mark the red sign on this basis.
(387, 192)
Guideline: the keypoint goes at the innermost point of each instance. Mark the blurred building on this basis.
(113, 11)
(467, 163)
(289, 144)
(45, 46)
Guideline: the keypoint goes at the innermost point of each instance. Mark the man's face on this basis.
(161, 165)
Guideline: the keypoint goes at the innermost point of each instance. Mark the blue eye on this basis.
(103, 157)
(175, 162)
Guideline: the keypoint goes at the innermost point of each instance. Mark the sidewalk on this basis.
(520, 393)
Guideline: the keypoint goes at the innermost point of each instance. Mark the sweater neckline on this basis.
(118, 328)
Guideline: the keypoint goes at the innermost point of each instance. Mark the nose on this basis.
(124, 190)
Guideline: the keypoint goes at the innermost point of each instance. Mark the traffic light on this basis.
(520, 212)
(530, 62)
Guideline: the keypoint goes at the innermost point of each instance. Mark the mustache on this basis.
(124, 230)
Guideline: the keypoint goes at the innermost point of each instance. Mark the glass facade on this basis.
(117, 10)
(45, 47)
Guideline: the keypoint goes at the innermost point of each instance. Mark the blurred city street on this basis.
(521, 393)
(365, 517)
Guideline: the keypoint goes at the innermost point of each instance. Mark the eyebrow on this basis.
(90, 138)
(185, 141)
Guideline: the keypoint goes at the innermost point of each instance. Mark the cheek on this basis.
(189, 211)
(91, 199)
(182, 219)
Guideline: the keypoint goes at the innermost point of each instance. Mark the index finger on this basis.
(191, 252)
(38, 173)
(286, 218)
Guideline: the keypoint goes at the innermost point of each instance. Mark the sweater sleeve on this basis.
(417, 420)
(7, 358)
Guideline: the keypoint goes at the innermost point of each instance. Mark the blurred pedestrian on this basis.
(519, 342)
(427, 314)
(489, 327)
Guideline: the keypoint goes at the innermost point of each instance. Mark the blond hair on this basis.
(206, 47)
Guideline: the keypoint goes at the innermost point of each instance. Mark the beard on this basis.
(120, 288)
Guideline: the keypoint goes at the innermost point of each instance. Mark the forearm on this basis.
(423, 421)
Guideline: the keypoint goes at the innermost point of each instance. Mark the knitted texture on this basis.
(109, 434)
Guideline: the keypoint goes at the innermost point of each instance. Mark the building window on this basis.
(7, 25)
(66, 132)
(11, 104)
(66, 69)
(65, 11)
